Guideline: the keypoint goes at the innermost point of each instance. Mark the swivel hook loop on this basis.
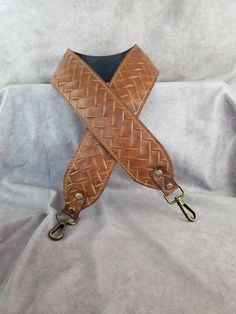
(61, 225)
(188, 212)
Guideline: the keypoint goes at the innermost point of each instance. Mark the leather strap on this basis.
(112, 126)
(114, 133)
(91, 165)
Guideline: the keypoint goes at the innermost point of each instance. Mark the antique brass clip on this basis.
(61, 225)
(186, 209)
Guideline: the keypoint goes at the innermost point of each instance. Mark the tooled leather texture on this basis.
(91, 165)
(114, 131)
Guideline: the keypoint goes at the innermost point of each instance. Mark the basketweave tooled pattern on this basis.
(116, 128)
(126, 138)
(91, 165)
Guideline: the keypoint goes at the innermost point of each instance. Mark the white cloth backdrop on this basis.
(187, 39)
(131, 252)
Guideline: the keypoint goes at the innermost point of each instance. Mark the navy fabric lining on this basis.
(104, 66)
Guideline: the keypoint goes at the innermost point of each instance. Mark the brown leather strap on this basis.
(91, 165)
(112, 125)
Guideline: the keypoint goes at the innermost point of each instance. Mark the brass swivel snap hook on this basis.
(188, 212)
(62, 223)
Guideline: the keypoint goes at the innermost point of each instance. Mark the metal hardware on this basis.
(182, 205)
(79, 196)
(71, 210)
(169, 186)
(62, 224)
(158, 173)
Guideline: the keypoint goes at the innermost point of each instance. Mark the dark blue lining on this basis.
(104, 66)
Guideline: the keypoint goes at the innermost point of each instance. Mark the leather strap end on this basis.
(164, 181)
(73, 207)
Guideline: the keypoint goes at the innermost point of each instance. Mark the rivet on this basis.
(158, 173)
(71, 210)
(79, 196)
(169, 186)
